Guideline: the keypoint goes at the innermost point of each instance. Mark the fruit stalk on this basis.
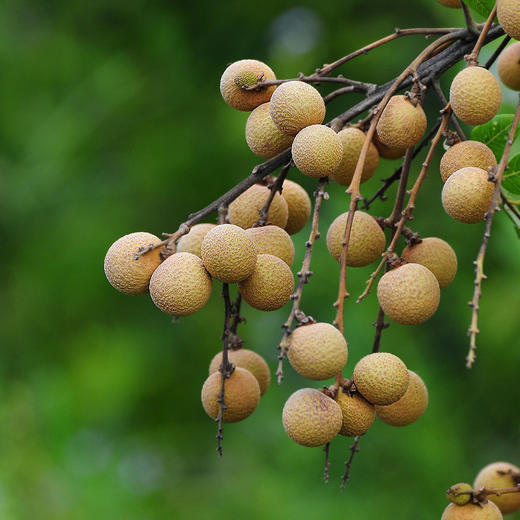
(354, 448)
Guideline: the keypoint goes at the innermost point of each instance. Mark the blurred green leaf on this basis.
(511, 182)
(483, 7)
(494, 134)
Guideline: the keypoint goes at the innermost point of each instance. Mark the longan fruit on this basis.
(508, 12)
(465, 154)
(459, 499)
(272, 240)
(388, 152)
(298, 204)
(192, 241)
(487, 511)
(358, 414)
(499, 475)
(509, 67)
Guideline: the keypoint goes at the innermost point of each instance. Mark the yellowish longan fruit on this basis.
(272, 240)
(508, 12)
(500, 475)
(298, 204)
(456, 496)
(192, 241)
(509, 67)
(123, 271)
(387, 152)
(358, 414)
(450, 3)
(465, 154)
(488, 511)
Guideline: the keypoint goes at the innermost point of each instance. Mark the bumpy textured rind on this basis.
(295, 105)
(509, 66)
(454, 4)
(490, 477)
(467, 194)
(401, 124)
(488, 511)
(241, 99)
(387, 152)
(243, 211)
(465, 154)
(475, 95)
(273, 240)
(435, 254)
(367, 239)
(270, 286)
(381, 378)
(461, 499)
(317, 151)
(508, 12)
(317, 351)
(241, 395)
(192, 241)
(180, 285)
(228, 253)
(123, 271)
(409, 294)
(358, 414)
(409, 408)
(311, 418)
(298, 204)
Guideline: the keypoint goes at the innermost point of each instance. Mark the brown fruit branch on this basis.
(470, 23)
(354, 448)
(326, 464)
(498, 52)
(472, 58)
(483, 492)
(276, 186)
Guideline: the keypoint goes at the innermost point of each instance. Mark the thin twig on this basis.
(326, 465)
(354, 448)
(276, 187)
(470, 23)
(472, 58)
(440, 94)
(498, 52)
(380, 325)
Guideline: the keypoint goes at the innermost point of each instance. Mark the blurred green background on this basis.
(112, 122)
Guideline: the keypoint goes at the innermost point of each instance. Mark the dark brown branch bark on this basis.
(354, 448)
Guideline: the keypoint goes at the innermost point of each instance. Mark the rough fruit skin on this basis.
(358, 414)
(367, 239)
(450, 3)
(270, 286)
(248, 360)
(401, 124)
(192, 241)
(410, 407)
(241, 395)
(262, 136)
(508, 12)
(490, 477)
(123, 271)
(467, 195)
(180, 285)
(243, 211)
(435, 254)
(311, 418)
(409, 294)
(228, 253)
(465, 154)
(352, 140)
(317, 151)
(234, 76)
(472, 512)
(298, 204)
(381, 378)
(273, 240)
(460, 500)
(295, 105)
(387, 152)
(509, 66)
(317, 351)
(475, 95)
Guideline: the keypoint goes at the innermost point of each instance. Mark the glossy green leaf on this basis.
(511, 183)
(482, 7)
(494, 134)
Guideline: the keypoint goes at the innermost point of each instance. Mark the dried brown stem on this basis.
(472, 58)
(275, 187)
(380, 325)
(455, 122)
(470, 23)
(326, 465)
(484, 492)
(498, 52)
(354, 448)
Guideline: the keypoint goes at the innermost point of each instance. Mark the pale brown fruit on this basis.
(465, 154)
(387, 152)
(401, 124)
(450, 3)
(500, 475)
(409, 294)
(246, 73)
(249, 360)
(358, 414)
(228, 253)
(435, 254)
(459, 499)
(270, 286)
(410, 407)
(299, 205)
(244, 210)
(192, 241)
(295, 105)
(367, 240)
(180, 285)
(508, 12)
(488, 511)
(272, 240)
(241, 395)
(317, 351)
(352, 140)
(123, 271)
(467, 195)
(317, 151)
(381, 378)
(475, 95)
(311, 418)
(509, 66)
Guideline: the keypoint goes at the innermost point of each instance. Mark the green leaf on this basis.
(495, 133)
(511, 182)
(483, 7)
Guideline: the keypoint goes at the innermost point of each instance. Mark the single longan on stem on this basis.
(487, 511)
(508, 12)
(456, 494)
(501, 475)
(272, 240)
(466, 154)
(192, 241)
(509, 67)
(298, 205)
(358, 413)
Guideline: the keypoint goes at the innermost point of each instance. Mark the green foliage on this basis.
(495, 133)
(482, 7)
(511, 183)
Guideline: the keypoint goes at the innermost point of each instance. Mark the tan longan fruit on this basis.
(499, 475)
(465, 154)
(435, 254)
(508, 12)
(467, 195)
(401, 124)
(228, 253)
(298, 204)
(459, 499)
(123, 271)
(317, 351)
(192, 241)
(381, 378)
(262, 136)
(410, 407)
(317, 151)
(388, 152)
(352, 140)
(509, 67)
(241, 395)
(358, 414)
(311, 418)
(295, 105)
(180, 285)
(450, 3)
(246, 73)
(475, 95)
(249, 360)
(409, 294)
(488, 511)
(244, 210)
(272, 240)
(270, 286)
(367, 240)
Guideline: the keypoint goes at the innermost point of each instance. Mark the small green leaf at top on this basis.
(495, 133)
(511, 182)
(482, 7)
